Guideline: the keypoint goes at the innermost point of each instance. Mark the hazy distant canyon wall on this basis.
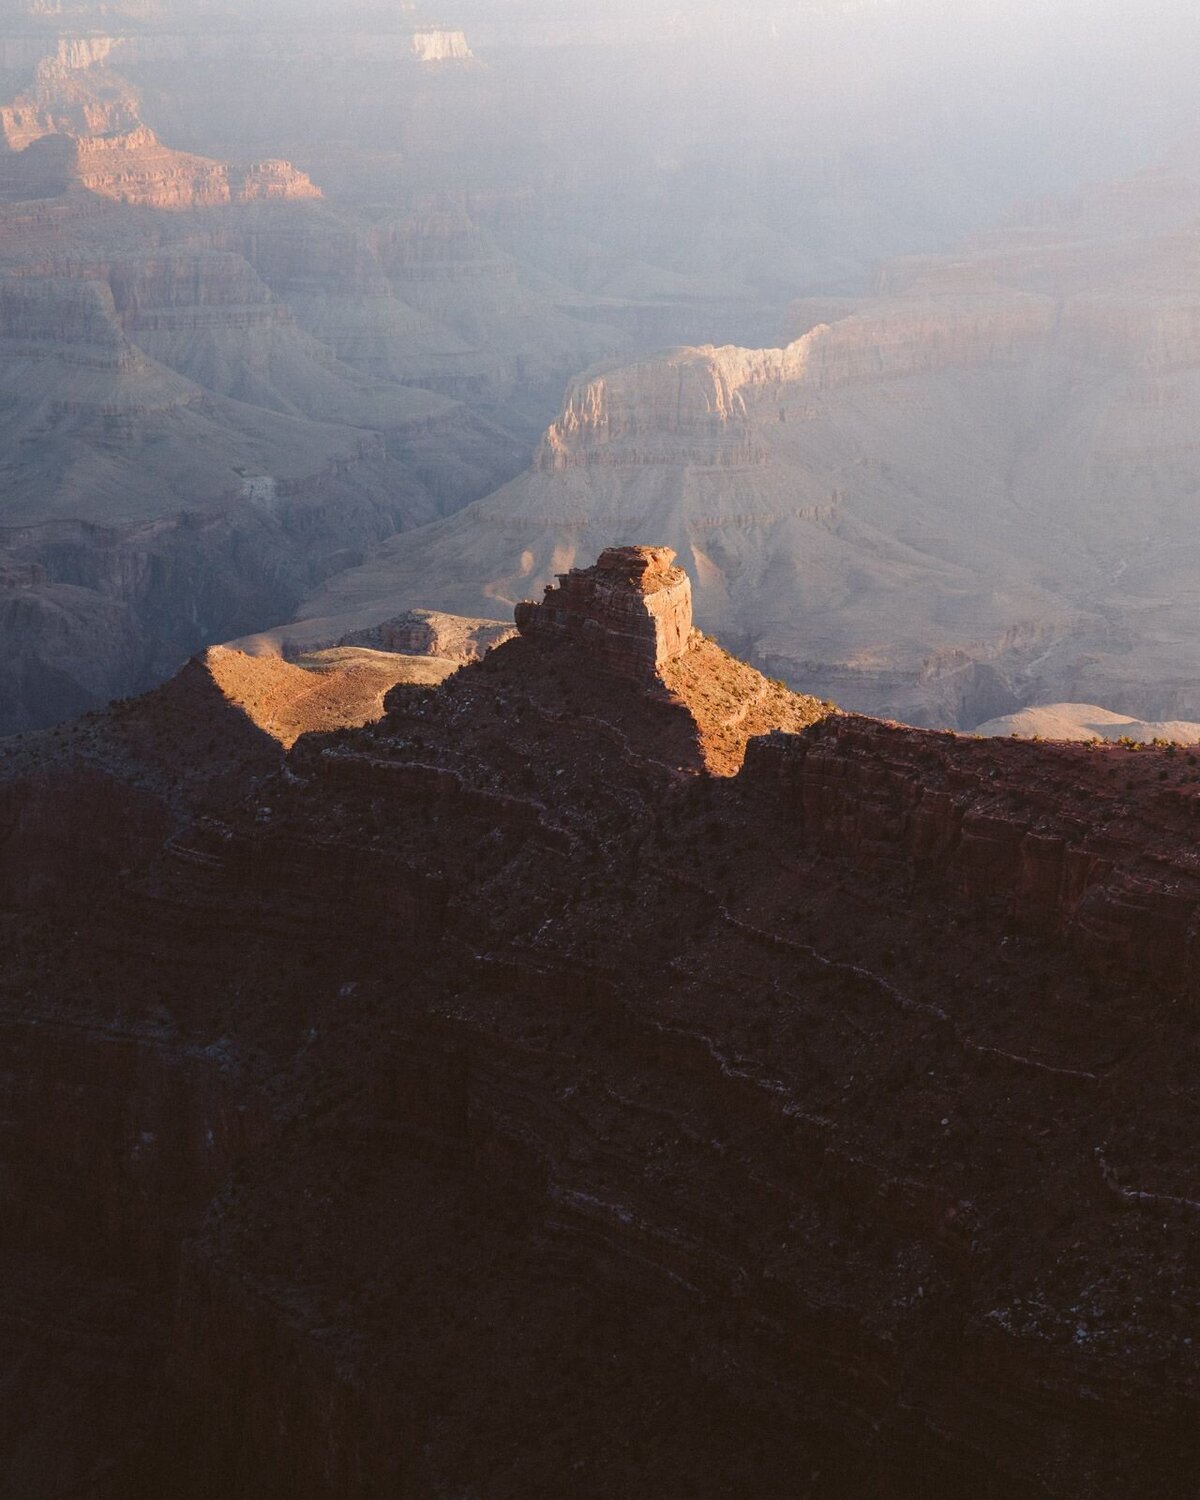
(967, 493)
(219, 390)
(729, 393)
(213, 42)
(338, 257)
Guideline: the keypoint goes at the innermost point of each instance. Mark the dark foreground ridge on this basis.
(593, 1081)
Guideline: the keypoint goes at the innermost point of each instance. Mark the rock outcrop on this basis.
(136, 168)
(425, 632)
(631, 612)
(435, 45)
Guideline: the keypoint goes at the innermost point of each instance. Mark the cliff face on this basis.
(690, 408)
(492, 1091)
(185, 291)
(136, 168)
(1116, 887)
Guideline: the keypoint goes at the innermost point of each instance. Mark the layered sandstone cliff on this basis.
(662, 411)
(136, 168)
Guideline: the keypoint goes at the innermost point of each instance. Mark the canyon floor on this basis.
(595, 1074)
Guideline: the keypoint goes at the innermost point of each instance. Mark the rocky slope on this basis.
(488, 1093)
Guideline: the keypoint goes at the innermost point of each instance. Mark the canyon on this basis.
(966, 494)
(544, 949)
(642, 1073)
(218, 387)
(283, 288)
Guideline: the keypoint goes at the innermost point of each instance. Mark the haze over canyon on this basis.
(286, 293)
(599, 750)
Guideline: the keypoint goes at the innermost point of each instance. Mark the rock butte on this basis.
(632, 611)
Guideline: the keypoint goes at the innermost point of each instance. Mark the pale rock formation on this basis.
(427, 632)
(77, 94)
(436, 45)
(1087, 721)
(696, 397)
(136, 168)
(704, 405)
(421, 633)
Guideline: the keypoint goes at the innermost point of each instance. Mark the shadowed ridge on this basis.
(492, 1048)
(105, 792)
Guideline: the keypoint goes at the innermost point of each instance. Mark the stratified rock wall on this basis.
(715, 407)
(888, 797)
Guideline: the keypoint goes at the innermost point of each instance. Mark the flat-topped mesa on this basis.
(632, 611)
